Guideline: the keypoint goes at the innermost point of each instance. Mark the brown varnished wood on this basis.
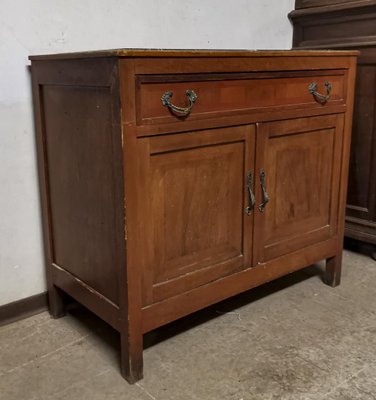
(190, 53)
(240, 117)
(55, 297)
(78, 124)
(211, 65)
(144, 213)
(230, 117)
(334, 264)
(134, 153)
(91, 72)
(164, 312)
(197, 192)
(351, 25)
(300, 160)
(231, 95)
(87, 296)
(341, 26)
(361, 199)
(331, 5)
(333, 270)
(341, 29)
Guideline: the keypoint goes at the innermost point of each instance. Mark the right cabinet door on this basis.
(298, 165)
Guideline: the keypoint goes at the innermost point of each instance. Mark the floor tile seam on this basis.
(336, 294)
(52, 320)
(11, 325)
(241, 329)
(356, 281)
(337, 312)
(364, 284)
(17, 341)
(343, 382)
(304, 360)
(298, 378)
(212, 354)
(243, 325)
(144, 390)
(79, 383)
(318, 367)
(44, 355)
(198, 342)
(365, 392)
(314, 299)
(41, 325)
(22, 320)
(354, 303)
(307, 360)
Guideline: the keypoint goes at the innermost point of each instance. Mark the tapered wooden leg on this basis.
(56, 302)
(131, 357)
(333, 270)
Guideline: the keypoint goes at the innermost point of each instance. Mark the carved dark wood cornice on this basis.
(304, 8)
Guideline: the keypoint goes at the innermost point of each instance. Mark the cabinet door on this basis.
(301, 160)
(198, 229)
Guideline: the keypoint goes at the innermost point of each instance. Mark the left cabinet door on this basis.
(197, 227)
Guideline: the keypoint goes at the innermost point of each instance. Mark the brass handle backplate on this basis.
(265, 196)
(252, 200)
(183, 111)
(321, 98)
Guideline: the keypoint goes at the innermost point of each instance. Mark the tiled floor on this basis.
(292, 339)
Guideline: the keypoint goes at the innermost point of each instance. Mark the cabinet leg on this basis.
(131, 357)
(56, 302)
(333, 270)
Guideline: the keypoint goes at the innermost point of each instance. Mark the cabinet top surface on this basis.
(193, 53)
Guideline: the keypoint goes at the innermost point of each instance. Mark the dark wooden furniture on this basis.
(152, 212)
(335, 24)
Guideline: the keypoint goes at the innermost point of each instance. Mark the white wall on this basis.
(49, 26)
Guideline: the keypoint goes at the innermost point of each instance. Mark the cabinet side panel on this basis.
(83, 159)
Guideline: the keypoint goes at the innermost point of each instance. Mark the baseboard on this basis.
(23, 308)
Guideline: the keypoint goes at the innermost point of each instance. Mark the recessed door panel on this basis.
(198, 228)
(301, 162)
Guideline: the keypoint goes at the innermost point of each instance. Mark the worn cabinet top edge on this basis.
(193, 53)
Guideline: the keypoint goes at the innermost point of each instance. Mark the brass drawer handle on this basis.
(192, 98)
(321, 98)
(265, 196)
(252, 200)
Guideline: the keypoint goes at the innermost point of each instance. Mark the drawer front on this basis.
(233, 94)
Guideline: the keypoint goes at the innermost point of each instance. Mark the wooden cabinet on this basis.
(171, 180)
(335, 24)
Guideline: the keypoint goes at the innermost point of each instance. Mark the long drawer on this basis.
(210, 95)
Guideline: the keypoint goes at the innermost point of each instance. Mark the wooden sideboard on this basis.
(171, 180)
(334, 24)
